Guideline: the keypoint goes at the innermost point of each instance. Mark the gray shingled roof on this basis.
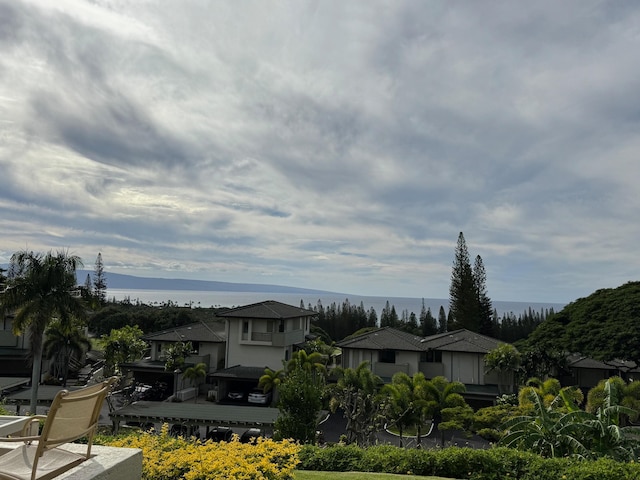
(385, 338)
(240, 372)
(269, 309)
(194, 332)
(460, 341)
(580, 361)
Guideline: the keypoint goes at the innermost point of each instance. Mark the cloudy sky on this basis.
(337, 145)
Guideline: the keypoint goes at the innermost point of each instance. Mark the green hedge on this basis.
(462, 463)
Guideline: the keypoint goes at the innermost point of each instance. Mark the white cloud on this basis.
(331, 145)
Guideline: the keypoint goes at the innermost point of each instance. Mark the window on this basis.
(387, 356)
(245, 330)
(431, 356)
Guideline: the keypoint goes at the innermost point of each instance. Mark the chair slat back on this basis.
(74, 414)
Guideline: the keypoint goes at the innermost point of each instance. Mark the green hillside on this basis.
(605, 326)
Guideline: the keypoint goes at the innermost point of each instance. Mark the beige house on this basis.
(264, 334)
(457, 356)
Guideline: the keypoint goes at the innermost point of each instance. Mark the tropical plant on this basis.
(356, 393)
(548, 432)
(628, 393)
(504, 360)
(270, 381)
(441, 394)
(300, 402)
(552, 394)
(175, 354)
(195, 374)
(121, 346)
(569, 431)
(40, 289)
(408, 401)
(314, 362)
(65, 340)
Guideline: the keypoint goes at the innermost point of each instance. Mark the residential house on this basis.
(207, 339)
(265, 333)
(386, 350)
(14, 351)
(457, 356)
(586, 372)
(259, 335)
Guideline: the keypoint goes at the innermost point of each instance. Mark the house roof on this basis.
(240, 372)
(578, 361)
(194, 332)
(385, 338)
(269, 309)
(460, 341)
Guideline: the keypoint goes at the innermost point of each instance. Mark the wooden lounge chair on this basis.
(73, 415)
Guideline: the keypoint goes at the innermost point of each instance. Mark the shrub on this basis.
(493, 464)
(169, 458)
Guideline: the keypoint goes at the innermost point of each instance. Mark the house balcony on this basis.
(276, 339)
(387, 370)
(431, 369)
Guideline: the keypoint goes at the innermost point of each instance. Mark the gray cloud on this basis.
(333, 145)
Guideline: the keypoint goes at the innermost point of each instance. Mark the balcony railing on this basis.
(277, 339)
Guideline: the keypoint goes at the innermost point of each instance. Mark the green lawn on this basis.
(309, 475)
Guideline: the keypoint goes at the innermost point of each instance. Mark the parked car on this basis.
(259, 397)
(220, 434)
(236, 395)
(250, 435)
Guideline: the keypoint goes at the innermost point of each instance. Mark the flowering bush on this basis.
(169, 458)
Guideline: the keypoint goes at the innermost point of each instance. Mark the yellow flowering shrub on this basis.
(169, 458)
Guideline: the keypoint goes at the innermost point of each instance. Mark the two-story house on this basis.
(457, 356)
(207, 340)
(260, 335)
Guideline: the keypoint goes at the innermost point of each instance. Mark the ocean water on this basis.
(206, 299)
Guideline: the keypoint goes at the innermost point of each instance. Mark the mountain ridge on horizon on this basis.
(132, 282)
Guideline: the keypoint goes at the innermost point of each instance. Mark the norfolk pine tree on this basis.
(100, 281)
(463, 303)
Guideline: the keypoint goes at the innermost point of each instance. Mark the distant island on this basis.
(131, 282)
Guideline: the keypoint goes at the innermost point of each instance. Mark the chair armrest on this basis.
(27, 428)
(29, 438)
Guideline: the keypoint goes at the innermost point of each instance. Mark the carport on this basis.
(193, 414)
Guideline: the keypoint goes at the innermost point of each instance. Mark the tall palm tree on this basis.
(40, 288)
(65, 340)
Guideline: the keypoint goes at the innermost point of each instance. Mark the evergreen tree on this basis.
(485, 308)
(463, 302)
(100, 281)
(385, 316)
(442, 321)
(372, 320)
(428, 325)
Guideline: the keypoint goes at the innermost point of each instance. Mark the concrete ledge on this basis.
(106, 463)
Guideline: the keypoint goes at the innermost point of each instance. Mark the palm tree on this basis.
(195, 374)
(270, 382)
(63, 341)
(40, 289)
(442, 394)
(407, 400)
(357, 393)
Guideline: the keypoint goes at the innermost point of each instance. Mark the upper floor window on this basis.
(431, 356)
(387, 356)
